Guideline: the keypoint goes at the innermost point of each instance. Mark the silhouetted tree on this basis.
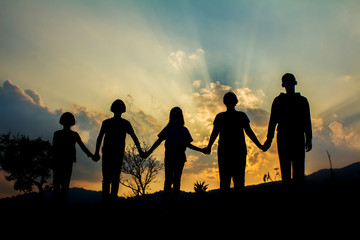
(140, 171)
(26, 161)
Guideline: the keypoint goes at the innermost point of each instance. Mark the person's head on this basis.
(176, 118)
(67, 119)
(288, 80)
(118, 107)
(230, 99)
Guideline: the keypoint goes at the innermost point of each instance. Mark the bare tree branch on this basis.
(139, 172)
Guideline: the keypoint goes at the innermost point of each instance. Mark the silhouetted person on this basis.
(291, 113)
(115, 130)
(177, 138)
(230, 125)
(65, 155)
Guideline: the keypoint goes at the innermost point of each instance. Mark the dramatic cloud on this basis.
(22, 111)
(337, 131)
(207, 103)
(84, 61)
(344, 136)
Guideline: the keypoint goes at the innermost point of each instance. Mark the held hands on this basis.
(145, 154)
(96, 157)
(141, 153)
(266, 145)
(206, 150)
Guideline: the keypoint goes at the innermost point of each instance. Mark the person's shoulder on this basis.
(305, 102)
(74, 134)
(164, 132)
(185, 129)
(127, 124)
(242, 115)
(281, 96)
(187, 133)
(107, 121)
(123, 120)
(301, 97)
(58, 132)
(220, 115)
(219, 118)
(111, 121)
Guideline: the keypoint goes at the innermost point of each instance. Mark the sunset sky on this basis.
(80, 56)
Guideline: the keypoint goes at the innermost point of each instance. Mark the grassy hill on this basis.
(323, 199)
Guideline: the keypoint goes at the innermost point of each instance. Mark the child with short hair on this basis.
(114, 129)
(65, 155)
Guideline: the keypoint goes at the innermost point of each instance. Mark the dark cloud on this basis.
(22, 112)
(34, 96)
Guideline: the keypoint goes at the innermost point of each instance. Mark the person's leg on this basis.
(115, 180)
(64, 188)
(239, 178)
(106, 168)
(179, 166)
(114, 190)
(56, 183)
(284, 153)
(225, 177)
(299, 162)
(169, 179)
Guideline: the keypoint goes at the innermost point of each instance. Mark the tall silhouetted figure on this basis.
(177, 138)
(65, 155)
(232, 151)
(114, 129)
(291, 113)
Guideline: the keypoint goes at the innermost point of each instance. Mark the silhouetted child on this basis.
(65, 155)
(232, 151)
(177, 138)
(115, 130)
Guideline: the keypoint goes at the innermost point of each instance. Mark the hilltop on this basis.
(342, 178)
(323, 198)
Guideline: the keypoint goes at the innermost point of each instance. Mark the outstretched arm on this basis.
(83, 147)
(215, 132)
(272, 125)
(153, 147)
(98, 144)
(137, 143)
(195, 148)
(252, 136)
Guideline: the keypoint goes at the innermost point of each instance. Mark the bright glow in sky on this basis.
(80, 56)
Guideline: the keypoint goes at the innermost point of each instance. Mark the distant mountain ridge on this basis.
(348, 173)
